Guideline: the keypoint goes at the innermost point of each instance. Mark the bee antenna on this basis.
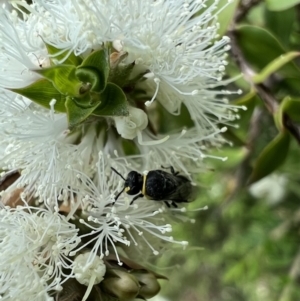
(118, 173)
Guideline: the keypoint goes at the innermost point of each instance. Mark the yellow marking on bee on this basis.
(127, 189)
(144, 185)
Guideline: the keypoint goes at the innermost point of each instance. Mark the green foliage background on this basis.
(246, 246)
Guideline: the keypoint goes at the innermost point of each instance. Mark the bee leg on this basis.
(118, 196)
(175, 173)
(167, 204)
(136, 197)
(174, 205)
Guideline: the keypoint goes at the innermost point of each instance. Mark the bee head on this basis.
(133, 183)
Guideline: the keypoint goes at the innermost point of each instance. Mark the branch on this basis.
(262, 90)
(243, 9)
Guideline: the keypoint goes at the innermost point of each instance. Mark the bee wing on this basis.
(183, 189)
(184, 193)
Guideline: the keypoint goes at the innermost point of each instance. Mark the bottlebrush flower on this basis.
(114, 223)
(87, 86)
(35, 245)
(61, 73)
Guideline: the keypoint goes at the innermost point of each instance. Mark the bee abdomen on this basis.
(158, 186)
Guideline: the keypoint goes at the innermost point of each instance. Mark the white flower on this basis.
(89, 272)
(167, 46)
(22, 283)
(184, 151)
(84, 269)
(97, 214)
(39, 143)
(129, 126)
(75, 141)
(16, 58)
(39, 241)
(146, 225)
(170, 41)
(116, 222)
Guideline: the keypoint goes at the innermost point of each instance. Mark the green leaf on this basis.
(42, 92)
(61, 55)
(90, 100)
(281, 4)
(226, 11)
(113, 102)
(238, 136)
(274, 66)
(226, 15)
(246, 100)
(256, 15)
(281, 24)
(260, 48)
(90, 75)
(272, 156)
(99, 60)
(63, 78)
(77, 114)
(170, 122)
(120, 75)
(291, 107)
(231, 136)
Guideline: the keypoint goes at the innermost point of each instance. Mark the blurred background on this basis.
(246, 246)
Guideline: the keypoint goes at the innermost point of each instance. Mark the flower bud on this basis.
(129, 126)
(149, 284)
(123, 286)
(85, 271)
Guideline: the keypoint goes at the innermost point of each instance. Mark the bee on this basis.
(158, 185)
